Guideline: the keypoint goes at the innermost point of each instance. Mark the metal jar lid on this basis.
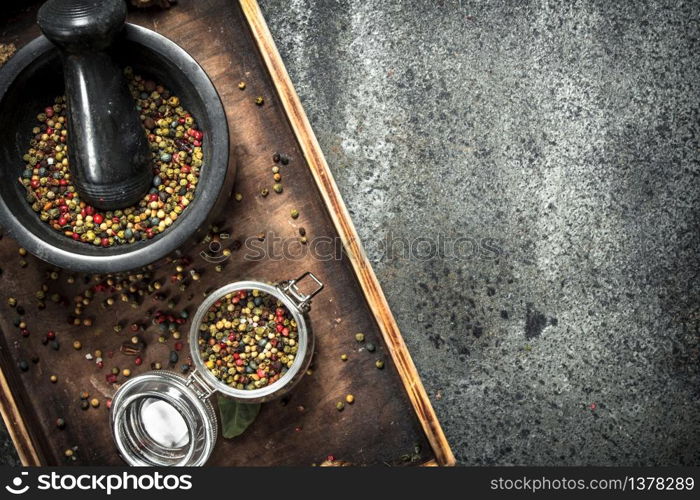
(161, 418)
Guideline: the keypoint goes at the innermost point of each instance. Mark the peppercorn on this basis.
(241, 85)
(23, 263)
(68, 453)
(339, 406)
(294, 213)
(249, 340)
(276, 157)
(77, 345)
(22, 251)
(87, 322)
(94, 402)
(84, 405)
(238, 196)
(218, 268)
(23, 365)
(84, 395)
(284, 159)
(360, 337)
(302, 231)
(259, 100)
(115, 370)
(53, 379)
(303, 240)
(350, 399)
(12, 302)
(176, 143)
(277, 177)
(277, 188)
(60, 423)
(126, 372)
(344, 357)
(379, 364)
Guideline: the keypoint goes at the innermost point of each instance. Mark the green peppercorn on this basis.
(238, 196)
(339, 406)
(241, 85)
(370, 347)
(84, 405)
(277, 188)
(303, 240)
(360, 337)
(259, 100)
(264, 192)
(12, 302)
(294, 213)
(379, 364)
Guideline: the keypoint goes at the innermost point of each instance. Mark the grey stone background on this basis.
(557, 143)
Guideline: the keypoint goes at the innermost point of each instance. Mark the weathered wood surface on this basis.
(391, 418)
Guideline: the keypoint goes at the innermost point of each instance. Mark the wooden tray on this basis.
(392, 420)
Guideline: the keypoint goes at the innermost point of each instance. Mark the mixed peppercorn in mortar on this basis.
(176, 147)
(248, 339)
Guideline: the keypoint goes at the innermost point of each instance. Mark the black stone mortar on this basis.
(33, 78)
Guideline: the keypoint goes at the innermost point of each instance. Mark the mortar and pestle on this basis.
(86, 44)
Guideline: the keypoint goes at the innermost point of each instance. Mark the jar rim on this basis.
(125, 430)
(267, 392)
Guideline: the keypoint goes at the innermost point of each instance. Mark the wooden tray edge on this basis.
(343, 224)
(14, 422)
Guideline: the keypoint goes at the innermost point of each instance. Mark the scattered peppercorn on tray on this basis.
(69, 340)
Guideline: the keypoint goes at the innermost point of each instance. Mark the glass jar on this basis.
(162, 418)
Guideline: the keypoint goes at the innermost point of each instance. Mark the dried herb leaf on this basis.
(236, 417)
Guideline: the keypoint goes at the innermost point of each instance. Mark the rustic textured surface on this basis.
(304, 428)
(567, 132)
